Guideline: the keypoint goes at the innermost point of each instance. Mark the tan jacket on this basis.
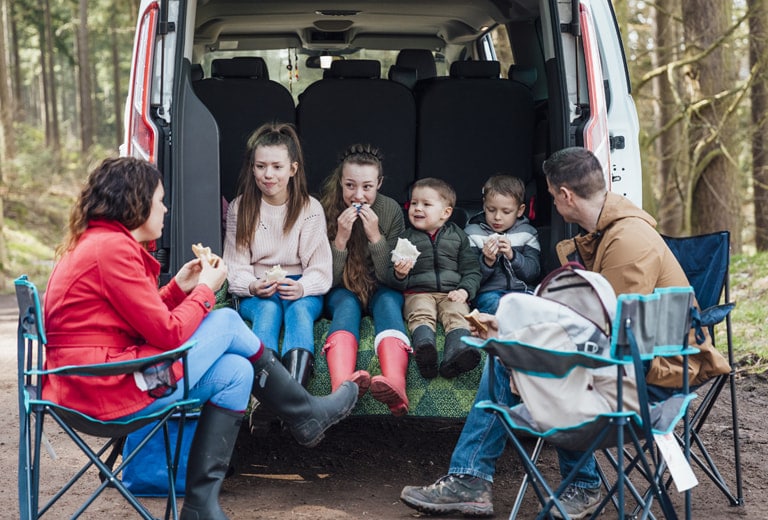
(627, 250)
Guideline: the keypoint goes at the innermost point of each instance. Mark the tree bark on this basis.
(670, 173)
(52, 110)
(16, 62)
(116, 81)
(84, 78)
(716, 196)
(7, 103)
(8, 138)
(758, 47)
(45, 83)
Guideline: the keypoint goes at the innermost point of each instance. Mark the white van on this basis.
(446, 88)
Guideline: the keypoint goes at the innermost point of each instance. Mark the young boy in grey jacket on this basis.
(505, 241)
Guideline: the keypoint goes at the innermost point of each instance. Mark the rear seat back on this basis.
(241, 98)
(352, 104)
(473, 125)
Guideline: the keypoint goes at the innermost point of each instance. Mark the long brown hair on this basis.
(358, 274)
(118, 189)
(269, 134)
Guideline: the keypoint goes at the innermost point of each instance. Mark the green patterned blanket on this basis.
(436, 397)
(439, 397)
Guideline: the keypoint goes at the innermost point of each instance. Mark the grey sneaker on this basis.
(465, 494)
(578, 502)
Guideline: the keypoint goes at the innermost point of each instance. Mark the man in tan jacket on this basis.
(621, 243)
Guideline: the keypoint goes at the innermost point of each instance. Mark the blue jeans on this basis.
(587, 476)
(488, 301)
(219, 367)
(345, 310)
(483, 437)
(268, 315)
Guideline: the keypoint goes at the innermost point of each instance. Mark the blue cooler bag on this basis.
(146, 474)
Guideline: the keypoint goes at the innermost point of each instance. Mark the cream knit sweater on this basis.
(304, 251)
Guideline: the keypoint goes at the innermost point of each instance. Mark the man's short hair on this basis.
(443, 189)
(577, 169)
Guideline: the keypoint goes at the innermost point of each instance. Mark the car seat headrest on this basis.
(367, 69)
(251, 67)
(404, 75)
(525, 75)
(196, 72)
(475, 69)
(420, 59)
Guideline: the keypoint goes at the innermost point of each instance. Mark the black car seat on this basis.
(241, 98)
(353, 104)
(474, 125)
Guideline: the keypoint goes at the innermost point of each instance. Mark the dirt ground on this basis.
(359, 469)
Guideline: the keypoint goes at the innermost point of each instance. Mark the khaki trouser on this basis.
(427, 308)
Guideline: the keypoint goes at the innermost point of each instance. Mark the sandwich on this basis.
(473, 319)
(204, 253)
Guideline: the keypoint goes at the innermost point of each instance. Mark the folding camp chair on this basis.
(705, 260)
(34, 408)
(645, 326)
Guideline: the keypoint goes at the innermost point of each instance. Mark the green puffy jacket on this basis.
(444, 265)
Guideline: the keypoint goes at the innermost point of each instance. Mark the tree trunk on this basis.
(84, 79)
(117, 103)
(758, 47)
(116, 82)
(53, 108)
(621, 10)
(16, 63)
(45, 84)
(6, 99)
(716, 196)
(8, 151)
(671, 174)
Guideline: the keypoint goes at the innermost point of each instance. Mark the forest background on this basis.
(699, 75)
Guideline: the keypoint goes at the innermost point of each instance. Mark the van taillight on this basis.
(596, 129)
(142, 133)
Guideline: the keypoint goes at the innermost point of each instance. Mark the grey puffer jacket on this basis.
(519, 274)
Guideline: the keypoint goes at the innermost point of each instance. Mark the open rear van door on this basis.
(602, 111)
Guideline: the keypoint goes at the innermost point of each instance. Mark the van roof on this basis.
(340, 24)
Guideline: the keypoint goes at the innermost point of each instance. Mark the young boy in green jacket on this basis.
(439, 283)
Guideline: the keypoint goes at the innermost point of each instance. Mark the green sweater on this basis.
(391, 226)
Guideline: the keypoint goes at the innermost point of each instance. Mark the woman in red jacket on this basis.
(102, 304)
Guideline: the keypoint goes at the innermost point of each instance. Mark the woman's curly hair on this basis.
(119, 189)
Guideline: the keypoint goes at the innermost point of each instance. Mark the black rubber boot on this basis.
(300, 364)
(424, 347)
(208, 463)
(458, 357)
(307, 416)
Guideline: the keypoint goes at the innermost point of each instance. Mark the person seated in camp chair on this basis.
(621, 243)
(102, 304)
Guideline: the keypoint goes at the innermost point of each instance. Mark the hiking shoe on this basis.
(578, 502)
(465, 494)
